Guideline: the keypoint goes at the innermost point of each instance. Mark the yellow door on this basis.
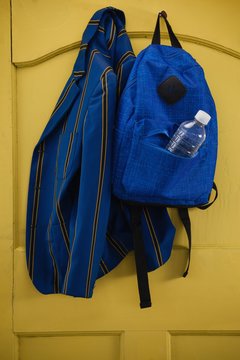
(196, 317)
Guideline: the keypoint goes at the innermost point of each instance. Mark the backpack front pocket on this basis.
(155, 175)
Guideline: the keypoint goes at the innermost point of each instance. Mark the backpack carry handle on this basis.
(157, 35)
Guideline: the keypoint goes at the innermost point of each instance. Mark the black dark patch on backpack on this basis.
(171, 89)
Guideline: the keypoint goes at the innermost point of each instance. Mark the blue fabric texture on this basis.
(76, 231)
(143, 171)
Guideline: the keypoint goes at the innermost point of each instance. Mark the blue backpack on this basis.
(165, 87)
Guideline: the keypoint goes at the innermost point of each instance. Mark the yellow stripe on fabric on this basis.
(63, 227)
(119, 77)
(120, 248)
(69, 150)
(121, 32)
(103, 267)
(79, 73)
(119, 69)
(37, 186)
(56, 275)
(83, 46)
(93, 22)
(101, 29)
(112, 35)
(61, 100)
(101, 173)
(93, 53)
(123, 58)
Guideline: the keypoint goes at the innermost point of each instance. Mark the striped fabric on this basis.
(76, 231)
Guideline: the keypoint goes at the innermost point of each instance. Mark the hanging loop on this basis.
(157, 33)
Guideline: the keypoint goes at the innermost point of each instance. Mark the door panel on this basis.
(200, 346)
(203, 301)
(191, 318)
(94, 346)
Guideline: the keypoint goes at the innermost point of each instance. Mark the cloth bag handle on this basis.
(157, 34)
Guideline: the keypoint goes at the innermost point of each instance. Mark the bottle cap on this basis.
(202, 117)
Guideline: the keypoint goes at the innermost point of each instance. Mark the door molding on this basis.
(134, 35)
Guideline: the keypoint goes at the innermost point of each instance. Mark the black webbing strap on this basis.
(140, 258)
(203, 207)
(157, 35)
(184, 216)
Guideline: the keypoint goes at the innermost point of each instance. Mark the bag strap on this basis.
(184, 216)
(203, 207)
(157, 34)
(140, 258)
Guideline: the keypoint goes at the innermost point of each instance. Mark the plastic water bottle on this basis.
(189, 136)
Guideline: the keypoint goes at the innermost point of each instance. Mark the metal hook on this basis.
(163, 14)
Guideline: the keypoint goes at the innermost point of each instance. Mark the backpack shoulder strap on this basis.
(140, 257)
(203, 207)
(184, 216)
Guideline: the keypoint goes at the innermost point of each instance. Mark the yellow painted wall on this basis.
(193, 318)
